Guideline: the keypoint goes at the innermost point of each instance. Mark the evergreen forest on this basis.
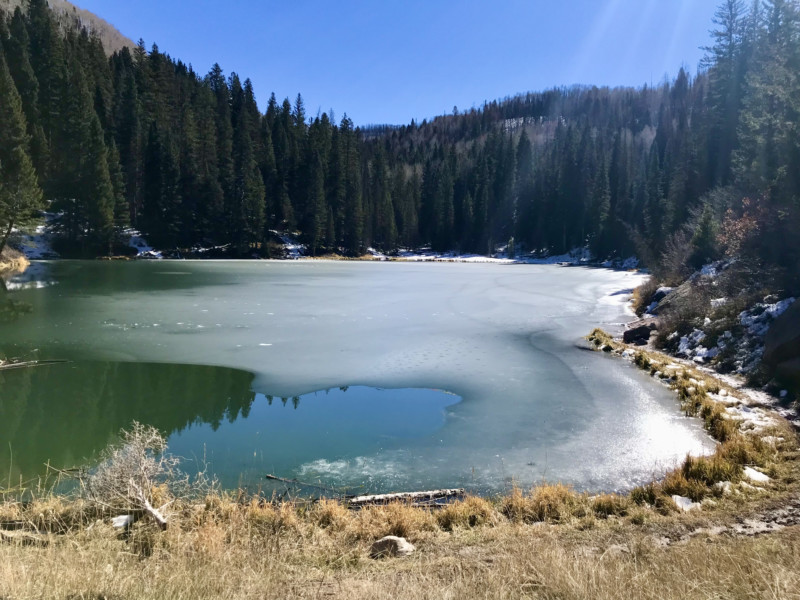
(680, 173)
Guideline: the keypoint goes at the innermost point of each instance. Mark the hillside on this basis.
(112, 39)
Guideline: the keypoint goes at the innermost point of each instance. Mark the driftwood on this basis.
(138, 494)
(429, 498)
(421, 499)
(31, 363)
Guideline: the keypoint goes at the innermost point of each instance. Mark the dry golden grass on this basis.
(643, 294)
(225, 549)
(12, 261)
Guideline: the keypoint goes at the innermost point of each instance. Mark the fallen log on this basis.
(420, 499)
(31, 363)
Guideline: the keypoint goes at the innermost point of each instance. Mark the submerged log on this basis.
(428, 498)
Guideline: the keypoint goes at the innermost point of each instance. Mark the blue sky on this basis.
(383, 61)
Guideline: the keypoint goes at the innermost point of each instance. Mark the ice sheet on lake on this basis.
(503, 338)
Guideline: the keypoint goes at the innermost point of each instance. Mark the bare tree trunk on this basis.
(6, 236)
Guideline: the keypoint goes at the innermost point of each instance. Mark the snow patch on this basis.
(685, 504)
(756, 476)
(292, 248)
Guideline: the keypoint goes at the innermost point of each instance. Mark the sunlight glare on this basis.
(602, 25)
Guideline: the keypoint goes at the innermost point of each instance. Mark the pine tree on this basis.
(96, 197)
(246, 209)
(122, 217)
(20, 195)
(18, 59)
(769, 118)
(727, 68)
(353, 207)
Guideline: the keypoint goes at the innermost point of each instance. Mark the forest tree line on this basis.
(678, 173)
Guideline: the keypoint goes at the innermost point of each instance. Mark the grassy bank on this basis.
(742, 540)
(227, 549)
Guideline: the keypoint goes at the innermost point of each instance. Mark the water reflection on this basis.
(67, 413)
(10, 309)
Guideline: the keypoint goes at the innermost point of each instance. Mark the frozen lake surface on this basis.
(450, 374)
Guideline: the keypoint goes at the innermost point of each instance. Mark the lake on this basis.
(366, 376)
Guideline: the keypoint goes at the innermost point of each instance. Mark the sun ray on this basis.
(593, 40)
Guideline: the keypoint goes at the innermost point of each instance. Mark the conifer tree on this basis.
(97, 194)
(122, 217)
(20, 195)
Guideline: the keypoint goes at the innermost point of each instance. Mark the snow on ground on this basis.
(143, 249)
(426, 255)
(292, 247)
(37, 244)
(575, 257)
(746, 342)
(749, 346)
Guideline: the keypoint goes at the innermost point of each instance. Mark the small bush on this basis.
(645, 494)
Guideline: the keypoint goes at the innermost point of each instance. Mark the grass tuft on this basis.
(471, 512)
(549, 502)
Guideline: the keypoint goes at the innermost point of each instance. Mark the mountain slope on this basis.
(112, 39)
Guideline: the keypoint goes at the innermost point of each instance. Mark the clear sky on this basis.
(385, 61)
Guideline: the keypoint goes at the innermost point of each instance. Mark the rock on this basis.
(661, 293)
(782, 345)
(637, 334)
(789, 372)
(391, 546)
